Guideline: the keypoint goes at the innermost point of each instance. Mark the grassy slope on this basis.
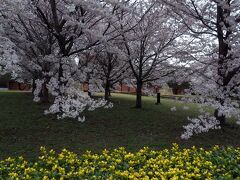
(23, 127)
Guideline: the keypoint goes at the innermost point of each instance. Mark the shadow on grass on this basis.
(24, 128)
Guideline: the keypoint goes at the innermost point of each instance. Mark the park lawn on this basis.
(24, 128)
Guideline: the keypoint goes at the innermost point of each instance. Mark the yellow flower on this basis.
(145, 178)
(13, 175)
(45, 178)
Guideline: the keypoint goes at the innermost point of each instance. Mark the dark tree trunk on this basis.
(158, 98)
(107, 90)
(220, 118)
(139, 95)
(44, 94)
(223, 50)
(33, 85)
(89, 94)
(61, 83)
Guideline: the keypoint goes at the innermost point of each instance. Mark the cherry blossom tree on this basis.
(32, 42)
(8, 58)
(216, 68)
(151, 44)
(49, 35)
(113, 67)
(52, 33)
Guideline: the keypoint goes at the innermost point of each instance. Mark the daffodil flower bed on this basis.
(175, 163)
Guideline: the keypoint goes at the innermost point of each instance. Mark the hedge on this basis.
(174, 163)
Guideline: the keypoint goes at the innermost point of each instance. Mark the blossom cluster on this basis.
(201, 124)
(174, 163)
(70, 102)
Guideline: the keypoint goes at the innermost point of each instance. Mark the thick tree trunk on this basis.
(44, 94)
(61, 83)
(139, 95)
(107, 90)
(220, 118)
(223, 50)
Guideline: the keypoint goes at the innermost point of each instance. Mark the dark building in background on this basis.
(8, 84)
(4, 81)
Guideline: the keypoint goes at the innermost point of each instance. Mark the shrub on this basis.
(175, 163)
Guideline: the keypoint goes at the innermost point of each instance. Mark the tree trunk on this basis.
(220, 118)
(222, 59)
(107, 90)
(33, 85)
(89, 94)
(139, 95)
(158, 98)
(44, 94)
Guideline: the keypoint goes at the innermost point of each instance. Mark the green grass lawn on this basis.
(24, 128)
